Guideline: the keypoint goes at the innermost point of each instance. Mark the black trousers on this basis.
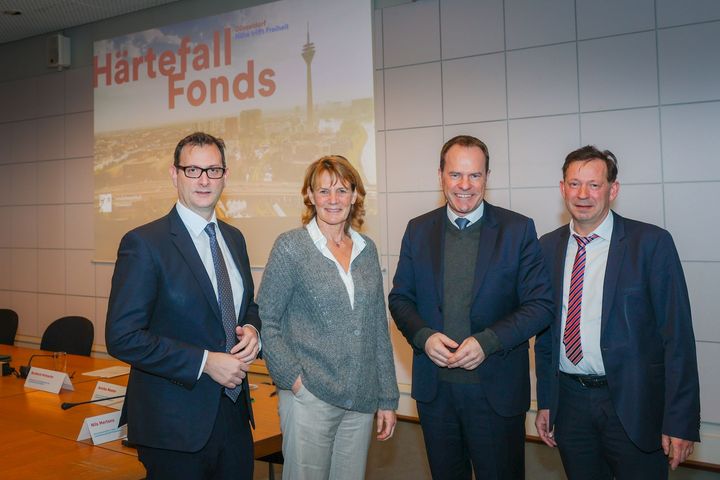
(463, 433)
(228, 453)
(592, 441)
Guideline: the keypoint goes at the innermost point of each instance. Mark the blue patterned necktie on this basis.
(225, 299)
(462, 222)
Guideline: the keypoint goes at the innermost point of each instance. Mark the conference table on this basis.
(38, 438)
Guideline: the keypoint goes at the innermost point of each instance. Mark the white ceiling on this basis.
(45, 16)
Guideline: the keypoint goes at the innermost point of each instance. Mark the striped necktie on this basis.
(571, 337)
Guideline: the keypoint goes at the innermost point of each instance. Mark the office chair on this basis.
(8, 326)
(69, 334)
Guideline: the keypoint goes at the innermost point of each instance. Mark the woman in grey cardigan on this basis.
(325, 333)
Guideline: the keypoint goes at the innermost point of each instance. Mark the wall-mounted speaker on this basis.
(58, 51)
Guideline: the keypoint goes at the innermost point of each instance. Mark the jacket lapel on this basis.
(182, 241)
(558, 273)
(488, 237)
(616, 254)
(437, 244)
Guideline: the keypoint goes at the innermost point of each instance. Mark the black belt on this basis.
(588, 381)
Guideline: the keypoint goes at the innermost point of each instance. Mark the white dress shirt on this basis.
(472, 217)
(596, 255)
(195, 225)
(321, 243)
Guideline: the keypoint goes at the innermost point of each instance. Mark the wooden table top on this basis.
(32, 421)
(76, 366)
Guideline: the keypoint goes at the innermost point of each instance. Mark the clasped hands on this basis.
(467, 355)
(229, 369)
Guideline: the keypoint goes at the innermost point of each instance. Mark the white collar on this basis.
(320, 241)
(604, 230)
(472, 217)
(193, 222)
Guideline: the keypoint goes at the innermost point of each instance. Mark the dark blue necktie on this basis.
(225, 299)
(462, 222)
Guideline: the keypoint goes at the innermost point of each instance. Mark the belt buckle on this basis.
(585, 382)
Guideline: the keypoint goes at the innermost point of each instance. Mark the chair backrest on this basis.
(69, 334)
(8, 326)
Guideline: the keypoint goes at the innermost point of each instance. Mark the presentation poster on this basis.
(282, 83)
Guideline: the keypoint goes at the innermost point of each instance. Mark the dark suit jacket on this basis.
(646, 336)
(162, 315)
(512, 296)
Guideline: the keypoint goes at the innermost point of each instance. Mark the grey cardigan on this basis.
(343, 354)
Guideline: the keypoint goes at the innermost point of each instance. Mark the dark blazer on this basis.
(162, 315)
(646, 338)
(511, 296)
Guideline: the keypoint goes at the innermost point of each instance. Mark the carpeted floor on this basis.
(403, 457)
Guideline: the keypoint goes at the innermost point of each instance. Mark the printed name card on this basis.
(105, 390)
(48, 380)
(102, 428)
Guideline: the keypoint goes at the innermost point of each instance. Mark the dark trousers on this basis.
(463, 433)
(228, 453)
(592, 441)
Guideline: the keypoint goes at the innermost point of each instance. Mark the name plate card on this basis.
(48, 380)
(105, 390)
(102, 428)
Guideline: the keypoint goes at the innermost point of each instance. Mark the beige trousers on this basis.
(322, 441)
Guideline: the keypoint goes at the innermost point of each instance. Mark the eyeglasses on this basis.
(191, 171)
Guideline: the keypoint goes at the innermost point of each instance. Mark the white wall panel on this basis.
(23, 183)
(612, 17)
(618, 72)
(51, 182)
(641, 202)
(23, 226)
(24, 269)
(469, 27)
(80, 272)
(696, 238)
(411, 33)
(78, 90)
(51, 265)
(538, 147)
(544, 205)
(51, 226)
(633, 136)
(79, 230)
(51, 138)
(413, 159)
(413, 96)
(539, 22)
(474, 89)
(689, 141)
(672, 12)
(689, 63)
(402, 207)
(708, 355)
(702, 284)
(51, 94)
(542, 81)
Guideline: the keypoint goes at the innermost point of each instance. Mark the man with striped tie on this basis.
(617, 373)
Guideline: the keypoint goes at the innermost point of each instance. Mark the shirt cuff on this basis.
(202, 365)
(421, 337)
(258, 335)
(489, 341)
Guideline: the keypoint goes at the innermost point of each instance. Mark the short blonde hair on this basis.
(340, 170)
